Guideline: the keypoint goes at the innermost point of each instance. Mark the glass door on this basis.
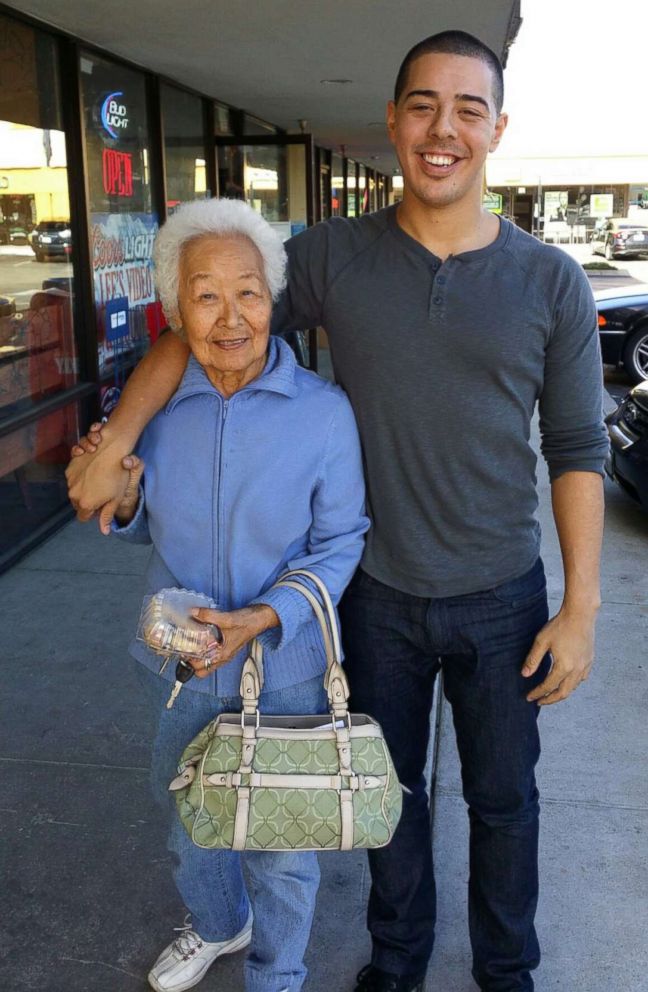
(274, 174)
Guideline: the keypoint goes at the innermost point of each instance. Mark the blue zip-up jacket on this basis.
(237, 491)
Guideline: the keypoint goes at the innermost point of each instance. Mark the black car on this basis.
(623, 328)
(52, 238)
(619, 237)
(627, 462)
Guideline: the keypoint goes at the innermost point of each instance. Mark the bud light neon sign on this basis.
(114, 115)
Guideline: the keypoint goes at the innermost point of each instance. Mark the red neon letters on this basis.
(117, 173)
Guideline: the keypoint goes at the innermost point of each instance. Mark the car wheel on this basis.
(635, 355)
(609, 252)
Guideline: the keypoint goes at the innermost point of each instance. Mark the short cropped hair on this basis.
(221, 218)
(454, 43)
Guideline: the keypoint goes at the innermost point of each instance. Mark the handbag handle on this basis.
(335, 682)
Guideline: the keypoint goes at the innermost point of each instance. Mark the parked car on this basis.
(7, 306)
(623, 328)
(13, 232)
(627, 462)
(619, 237)
(52, 238)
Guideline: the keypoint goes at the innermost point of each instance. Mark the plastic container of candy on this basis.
(166, 627)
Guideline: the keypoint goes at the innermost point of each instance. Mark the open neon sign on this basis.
(117, 173)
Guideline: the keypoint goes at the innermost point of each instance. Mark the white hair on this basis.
(221, 218)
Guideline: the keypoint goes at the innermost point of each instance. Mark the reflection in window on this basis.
(38, 355)
(264, 179)
(32, 480)
(123, 223)
(184, 146)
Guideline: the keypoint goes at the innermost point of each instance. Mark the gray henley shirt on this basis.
(443, 363)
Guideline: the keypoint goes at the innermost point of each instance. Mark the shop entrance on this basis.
(274, 174)
(17, 215)
(523, 211)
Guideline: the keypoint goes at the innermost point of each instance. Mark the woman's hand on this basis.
(125, 510)
(238, 628)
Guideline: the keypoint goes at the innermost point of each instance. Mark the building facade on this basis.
(94, 154)
(561, 199)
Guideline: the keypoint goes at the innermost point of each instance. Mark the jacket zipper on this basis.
(219, 522)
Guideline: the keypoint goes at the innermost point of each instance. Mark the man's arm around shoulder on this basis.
(98, 480)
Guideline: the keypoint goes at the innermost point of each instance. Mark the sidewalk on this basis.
(88, 901)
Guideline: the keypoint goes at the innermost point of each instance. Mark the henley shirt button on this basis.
(441, 280)
(437, 301)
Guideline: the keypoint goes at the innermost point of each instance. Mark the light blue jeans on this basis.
(282, 887)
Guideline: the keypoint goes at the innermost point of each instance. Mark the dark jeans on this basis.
(395, 645)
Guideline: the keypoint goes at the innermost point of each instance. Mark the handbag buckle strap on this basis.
(245, 713)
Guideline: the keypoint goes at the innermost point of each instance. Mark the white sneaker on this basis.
(184, 962)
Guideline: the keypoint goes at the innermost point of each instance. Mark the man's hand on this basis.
(97, 480)
(125, 511)
(569, 637)
(238, 628)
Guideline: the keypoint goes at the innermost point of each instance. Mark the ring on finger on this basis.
(208, 663)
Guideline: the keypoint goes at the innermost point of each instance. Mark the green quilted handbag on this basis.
(276, 783)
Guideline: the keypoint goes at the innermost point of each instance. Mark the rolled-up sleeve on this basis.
(339, 522)
(572, 429)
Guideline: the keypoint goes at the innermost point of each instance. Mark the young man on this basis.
(446, 327)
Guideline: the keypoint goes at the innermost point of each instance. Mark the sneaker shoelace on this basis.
(188, 942)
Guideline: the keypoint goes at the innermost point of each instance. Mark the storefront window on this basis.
(381, 192)
(38, 351)
(337, 186)
(122, 220)
(252, 125)
(264, 180)
(363, 191)
(352, 199)
(184, 146)
(324, 184)
(372, 189)
(222, 122)
(32, 479)
(38, 354)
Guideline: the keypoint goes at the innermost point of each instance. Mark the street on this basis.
(630, 271)
(21, 275)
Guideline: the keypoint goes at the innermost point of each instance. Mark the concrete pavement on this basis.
(88, 901)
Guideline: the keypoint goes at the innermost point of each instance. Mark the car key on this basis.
(183, 673)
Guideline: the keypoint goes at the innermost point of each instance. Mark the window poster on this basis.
(122, 267)
(123, 223)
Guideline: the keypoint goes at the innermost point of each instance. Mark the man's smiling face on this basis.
(443, 127)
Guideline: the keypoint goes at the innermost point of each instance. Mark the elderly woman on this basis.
(253, 468)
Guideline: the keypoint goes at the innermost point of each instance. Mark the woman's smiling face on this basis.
(225, 306)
